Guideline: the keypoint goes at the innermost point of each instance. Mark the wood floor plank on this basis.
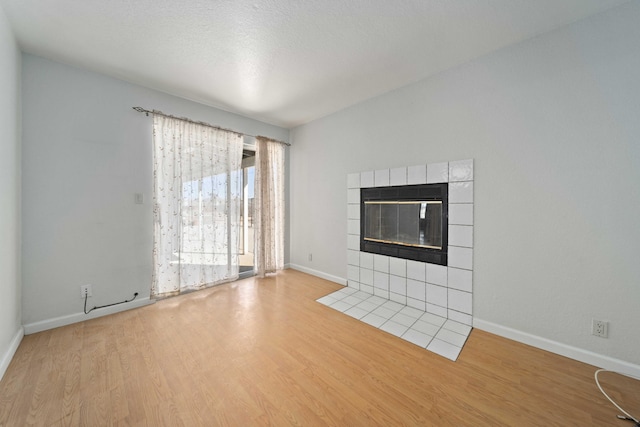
(262, 352)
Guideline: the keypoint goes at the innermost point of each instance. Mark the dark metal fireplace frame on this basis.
(423, 192)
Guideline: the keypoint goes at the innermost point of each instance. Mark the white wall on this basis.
(10, 307)
(85, 154)
(554, 127)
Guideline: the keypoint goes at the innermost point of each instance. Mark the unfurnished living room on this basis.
(346, 213)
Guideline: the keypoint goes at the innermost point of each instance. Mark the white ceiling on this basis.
(285, 62)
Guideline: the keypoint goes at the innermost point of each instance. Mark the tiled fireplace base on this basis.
(435, 333)
(402, 296)
(445, 291)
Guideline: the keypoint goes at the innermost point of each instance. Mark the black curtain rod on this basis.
(160, 113)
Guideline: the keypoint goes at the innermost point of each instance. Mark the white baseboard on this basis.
(320, 274)
(56, 322)
(8, 355)
(571, 352)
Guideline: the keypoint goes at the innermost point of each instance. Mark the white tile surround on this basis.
(443, 292)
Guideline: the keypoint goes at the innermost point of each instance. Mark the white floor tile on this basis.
(384, 312)
(417, 338)
(403, 319)
(457, 327)
(373, 320)
(451, 337)
(438, 334)
(425, 328)
(345, 291)
(394, 328)
(326, 300)
(433, 319)
(361, 294)
(395, 306)
(444, 349)
(376, 300)
(358, 313)
(412, 312)
(352, 300)
(368, 306)
(341, 306)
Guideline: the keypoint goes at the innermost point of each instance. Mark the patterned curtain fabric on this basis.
(197, 193)
(269, 207)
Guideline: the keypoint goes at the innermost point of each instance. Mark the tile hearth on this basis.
(435, 333)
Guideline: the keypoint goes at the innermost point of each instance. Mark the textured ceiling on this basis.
(285, 62)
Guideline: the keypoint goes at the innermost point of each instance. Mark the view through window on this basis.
(202, 222)
(246, 215)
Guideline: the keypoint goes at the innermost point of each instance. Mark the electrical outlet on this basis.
(310, 257)
(599, 328)
(85, 291)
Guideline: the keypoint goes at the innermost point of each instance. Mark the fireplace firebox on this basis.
(409, 222)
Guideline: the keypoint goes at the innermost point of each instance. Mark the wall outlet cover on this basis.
(86, 291)
(599, 328)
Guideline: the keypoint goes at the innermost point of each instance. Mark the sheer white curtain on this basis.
(269, 210)
(197, 194)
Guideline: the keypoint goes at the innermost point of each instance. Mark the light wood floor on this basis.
(263, 352)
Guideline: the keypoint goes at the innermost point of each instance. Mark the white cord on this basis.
(610, 399)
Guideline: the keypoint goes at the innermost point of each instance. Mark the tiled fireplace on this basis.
(431, 294)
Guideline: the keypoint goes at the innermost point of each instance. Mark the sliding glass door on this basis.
(197, 203)
(246, 251)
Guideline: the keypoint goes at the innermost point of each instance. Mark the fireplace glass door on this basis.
(406, 223)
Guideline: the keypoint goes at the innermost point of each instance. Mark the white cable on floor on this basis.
(628, 415)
